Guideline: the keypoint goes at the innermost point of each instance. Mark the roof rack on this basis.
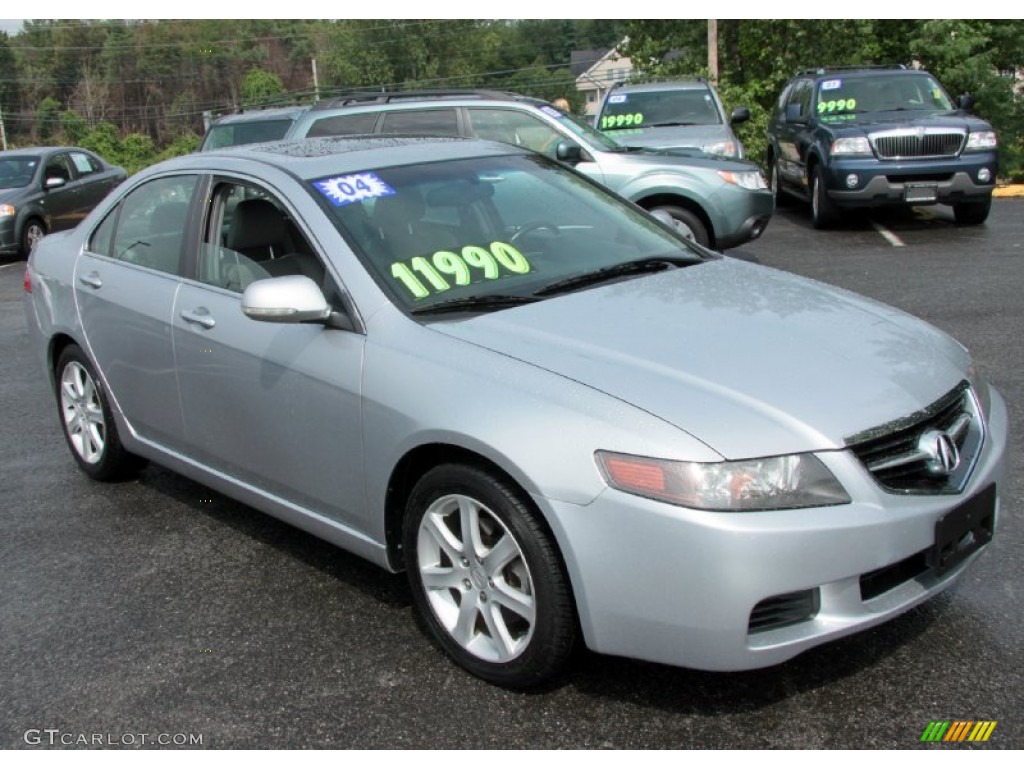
(848, 68)
(359, 98)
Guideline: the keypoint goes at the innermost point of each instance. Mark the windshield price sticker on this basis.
(831, 85)
(837, 105)
(342, 190)
(621, 121)
(618, 98)
(422, 276)
(550, 111)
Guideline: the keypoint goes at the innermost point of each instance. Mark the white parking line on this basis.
(12, 264)
(889, 235)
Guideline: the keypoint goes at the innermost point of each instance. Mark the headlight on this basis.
(779, 482)
(982, 140)
(853, 145)
(745, 179)
(727, 148)
(981, 391)
(6, 210)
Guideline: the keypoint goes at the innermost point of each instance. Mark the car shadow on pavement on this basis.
(694, 692)
(389, 589)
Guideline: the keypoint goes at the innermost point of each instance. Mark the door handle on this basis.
(92, 280)
(199, 317)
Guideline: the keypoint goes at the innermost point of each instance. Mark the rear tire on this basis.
(971, 214)
(87, 422)
(824, 212)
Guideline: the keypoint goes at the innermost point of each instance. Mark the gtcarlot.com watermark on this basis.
(55, 737)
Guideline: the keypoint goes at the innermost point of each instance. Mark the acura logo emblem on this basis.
(941, 454)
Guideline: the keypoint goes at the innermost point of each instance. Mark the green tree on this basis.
(47, 118)
(260, 87)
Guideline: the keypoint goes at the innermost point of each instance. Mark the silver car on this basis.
(563, 420)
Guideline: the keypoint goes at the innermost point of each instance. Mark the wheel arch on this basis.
(418, 461)
(58, 343)
(653, 201)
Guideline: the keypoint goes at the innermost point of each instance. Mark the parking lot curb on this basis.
(1009, 190)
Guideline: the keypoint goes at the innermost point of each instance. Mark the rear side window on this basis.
(102, 237)
(426, 122)
(152, 224)
(250, 132)
(344, 125)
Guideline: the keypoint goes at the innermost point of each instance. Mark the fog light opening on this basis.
(852, 181)
(984, 175)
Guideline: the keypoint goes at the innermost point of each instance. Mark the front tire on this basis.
(971, 214)
(824, 212)
(687, 224)
(87, 422)
(33, 231)
(486, 577)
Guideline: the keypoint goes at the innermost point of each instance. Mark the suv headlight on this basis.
(981, 140)
(6, 210)
(745, 179)
(778, 482)
(727, 148)
(852, 145)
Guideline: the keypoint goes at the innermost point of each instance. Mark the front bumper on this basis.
(678, 586)
(8, 235)
(744, 215)
(886, 182)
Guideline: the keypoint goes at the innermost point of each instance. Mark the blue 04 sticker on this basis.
(342, 190)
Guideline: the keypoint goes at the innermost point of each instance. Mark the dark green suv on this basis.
(879, 136)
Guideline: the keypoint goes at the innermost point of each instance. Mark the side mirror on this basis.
(569, 152)
(794, 115)
(965, 102)
(54, 182)
(739, 115)
(289, 299)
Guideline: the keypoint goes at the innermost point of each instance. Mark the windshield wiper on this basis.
(668, 124)
(475, 303)
(638, 267)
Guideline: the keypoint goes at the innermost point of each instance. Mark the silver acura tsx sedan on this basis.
(466, 361)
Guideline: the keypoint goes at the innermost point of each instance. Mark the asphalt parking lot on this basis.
(157, 607)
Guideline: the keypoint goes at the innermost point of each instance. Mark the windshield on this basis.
(503, 226)
(650, 109)
(251, 132)
(17, 172)
(841, 98)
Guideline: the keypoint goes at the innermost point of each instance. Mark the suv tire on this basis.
(971, 214)
(688, 224)
(824, 213)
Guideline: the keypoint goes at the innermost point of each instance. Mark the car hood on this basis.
(12, 195)
(749, 360)
(880, 121)
(671, 136)
(667, 157)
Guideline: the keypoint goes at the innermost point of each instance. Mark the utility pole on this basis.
(713, 50)
(316, 84)
(3, 133)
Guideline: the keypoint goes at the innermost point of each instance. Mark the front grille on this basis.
(880, 581)
(902, 456)
(784, 610)
(897, 145)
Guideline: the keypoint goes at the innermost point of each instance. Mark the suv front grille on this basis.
(899, 144)
(903, 456)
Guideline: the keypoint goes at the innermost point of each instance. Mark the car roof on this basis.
(319, 157)
(396, 98)
(254, 115)
(694, 84)
(866, 70)
(42, 151)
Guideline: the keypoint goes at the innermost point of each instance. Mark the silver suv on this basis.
(685, 113)
(716, 202)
